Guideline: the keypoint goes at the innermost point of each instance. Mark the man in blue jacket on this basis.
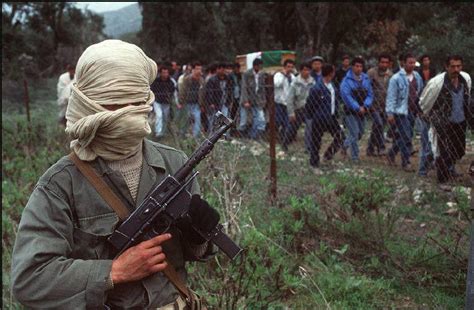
(402, 107)
(356, 91)
(321, 107)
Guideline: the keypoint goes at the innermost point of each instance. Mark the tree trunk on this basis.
(306, 19)
(321, 18)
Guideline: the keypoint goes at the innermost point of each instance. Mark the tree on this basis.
(53, 33)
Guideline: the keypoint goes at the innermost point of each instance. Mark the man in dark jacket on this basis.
(321, 106)
(236, 78)
(342, 70)
(218, 94)
(449, 112)
(356, 91)
(164, 88)
(379, 77)
(426, 70)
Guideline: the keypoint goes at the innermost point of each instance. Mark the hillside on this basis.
(122, 21)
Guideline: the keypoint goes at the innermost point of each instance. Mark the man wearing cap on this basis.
(61, 258)
(316, 68)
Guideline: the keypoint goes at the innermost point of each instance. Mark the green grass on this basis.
(354, 238)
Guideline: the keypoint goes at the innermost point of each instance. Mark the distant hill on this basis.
(122, 21)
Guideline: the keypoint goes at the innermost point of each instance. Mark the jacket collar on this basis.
(351, 75)
(152, 156)
(381, 73)
(402, 71)
(322, 84)
(309, 80)
(462, 80)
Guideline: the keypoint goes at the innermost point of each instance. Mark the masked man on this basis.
(61, 257)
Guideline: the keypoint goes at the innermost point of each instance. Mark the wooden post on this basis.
(27, 101)
(272, 139)
(25, 60)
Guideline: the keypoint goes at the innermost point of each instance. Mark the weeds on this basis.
(358, 238)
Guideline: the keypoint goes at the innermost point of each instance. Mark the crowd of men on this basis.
(399, 99)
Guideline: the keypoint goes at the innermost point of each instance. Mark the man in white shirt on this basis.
(281, 82)
(64, 90)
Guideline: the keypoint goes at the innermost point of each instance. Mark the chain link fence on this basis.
(325, 125)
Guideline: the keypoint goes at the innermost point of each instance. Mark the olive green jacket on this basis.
(61, 259)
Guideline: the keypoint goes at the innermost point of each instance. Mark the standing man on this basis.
(236, 78)
(229, 68)
(297, 95)
(281, 83)
(186, 71)
(403, 93)
(189, 98)
(175, 70)
(342, 71)
(209, 73)
(356, 92)
(379, 76)
(426, 70)
(252, 100)
(321, 106)
(164, 89)
(446, 104)
(218, 94)
(401, 63)
(64, 90)
(61, 258)
(316, 66)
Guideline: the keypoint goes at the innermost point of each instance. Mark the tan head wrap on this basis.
(109, 73)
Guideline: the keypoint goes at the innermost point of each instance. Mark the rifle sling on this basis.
(117, 205)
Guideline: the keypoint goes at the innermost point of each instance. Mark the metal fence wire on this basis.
(311, 122)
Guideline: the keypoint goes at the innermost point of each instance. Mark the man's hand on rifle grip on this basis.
(202, 216)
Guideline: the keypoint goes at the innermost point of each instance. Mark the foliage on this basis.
(53, 33)
(215, 30)
(27, 151)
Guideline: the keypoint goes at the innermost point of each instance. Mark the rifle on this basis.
(169, 201)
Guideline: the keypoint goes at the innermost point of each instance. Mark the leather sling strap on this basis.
(115, 203)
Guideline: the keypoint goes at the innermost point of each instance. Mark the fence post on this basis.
(27, 99)
(272, 139)
(469, 302)
(25, 60)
